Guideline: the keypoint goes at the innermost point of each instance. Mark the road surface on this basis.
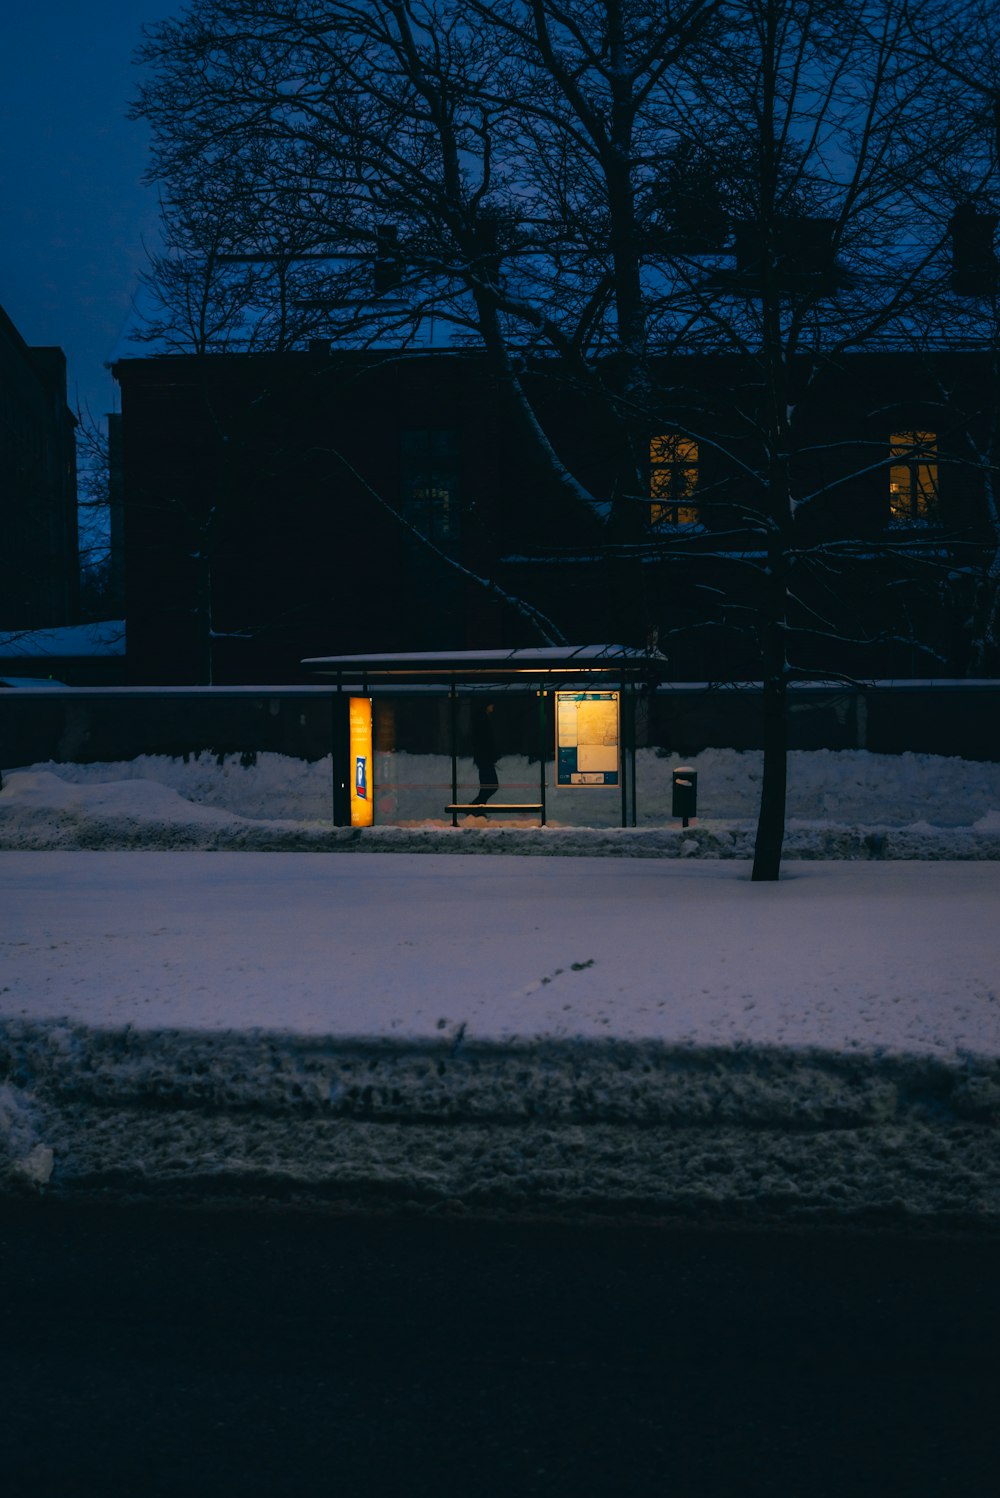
(152, 1351)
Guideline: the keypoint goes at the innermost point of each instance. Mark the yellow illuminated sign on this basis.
(360, 741)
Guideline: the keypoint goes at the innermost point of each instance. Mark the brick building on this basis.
(272, 504)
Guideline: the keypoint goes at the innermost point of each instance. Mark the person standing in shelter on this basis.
(484, 753)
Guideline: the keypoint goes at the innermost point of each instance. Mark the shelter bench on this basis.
(489, 808)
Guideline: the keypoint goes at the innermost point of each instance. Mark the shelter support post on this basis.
(453, 707)
(623, 751)
(339, 735)
(541, 752)
(631, 746)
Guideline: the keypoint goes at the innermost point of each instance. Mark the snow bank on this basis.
(39, 809)
(841, 805)
(749, 1136)
(823, 785)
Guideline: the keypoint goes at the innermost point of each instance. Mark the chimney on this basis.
(803, 248)
(388, 264)
(973, 258)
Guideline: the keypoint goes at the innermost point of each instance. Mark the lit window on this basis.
(913, 476)
(429, 482)
(673, 480)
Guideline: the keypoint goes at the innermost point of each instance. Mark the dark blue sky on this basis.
(74, 215)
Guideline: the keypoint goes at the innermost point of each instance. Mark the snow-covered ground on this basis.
(557, 1034)
(507, 1033)
(847, 804)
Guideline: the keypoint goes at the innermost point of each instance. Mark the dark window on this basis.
(429, 482)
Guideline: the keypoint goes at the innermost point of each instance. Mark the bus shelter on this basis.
(586, 718)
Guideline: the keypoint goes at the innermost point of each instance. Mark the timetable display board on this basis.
(588, 737)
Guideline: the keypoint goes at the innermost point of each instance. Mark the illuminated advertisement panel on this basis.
(360, 742)
(587, 738)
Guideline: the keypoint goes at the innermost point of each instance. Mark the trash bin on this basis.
(685, 793)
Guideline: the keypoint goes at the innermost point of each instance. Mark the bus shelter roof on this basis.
(561, 662)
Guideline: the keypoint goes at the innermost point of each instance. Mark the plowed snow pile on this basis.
(840, 805)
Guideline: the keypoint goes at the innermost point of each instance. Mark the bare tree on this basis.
(568, 183)
(839, 247)
(94, 509)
